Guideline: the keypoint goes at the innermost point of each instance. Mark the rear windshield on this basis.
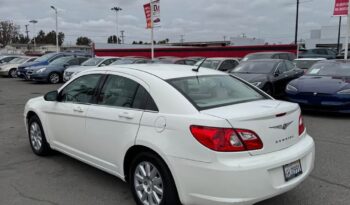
(257, 56)
(92, 62)
(206, 92)
(255, 67)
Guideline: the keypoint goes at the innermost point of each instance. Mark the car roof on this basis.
(270, 52)
(222, 58)
(310, 59)
(163, 71)
(265, 60)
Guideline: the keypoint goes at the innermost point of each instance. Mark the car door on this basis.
(280, 78)
(112, 124)
(292, 71)
(66, 117)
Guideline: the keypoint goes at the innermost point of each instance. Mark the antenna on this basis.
(199, 66)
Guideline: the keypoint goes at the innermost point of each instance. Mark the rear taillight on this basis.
(301, 125)
(226, 139)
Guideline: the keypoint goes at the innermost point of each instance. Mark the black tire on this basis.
(12, 73)
(170, 195)
(268, 89)
(44, 149)
(54, 78)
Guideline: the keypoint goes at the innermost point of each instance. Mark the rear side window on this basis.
(206, 92)
(143, 100)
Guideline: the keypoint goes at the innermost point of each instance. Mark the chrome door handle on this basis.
(78, 109)
(126, 115)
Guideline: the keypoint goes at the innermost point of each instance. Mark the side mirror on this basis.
(51, 96)
(277, 73)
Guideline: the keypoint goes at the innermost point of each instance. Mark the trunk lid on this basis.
(276, 132)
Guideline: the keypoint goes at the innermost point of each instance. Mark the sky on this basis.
(196, 20)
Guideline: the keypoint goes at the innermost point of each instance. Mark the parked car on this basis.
(270, 75)
(341, 55)
(7, 58)
(43, 61)
(53, 73)
(175, 60)
(325, 87)
(174, 134)
(270, 55)
(306, 63)
(10, 69)
(124, 61)
(319, 53)
(91, 63)
(221, 64)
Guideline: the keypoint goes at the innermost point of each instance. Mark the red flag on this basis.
(341, 8)
(148, 14)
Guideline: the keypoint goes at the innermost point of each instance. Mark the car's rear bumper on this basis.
(241, 181)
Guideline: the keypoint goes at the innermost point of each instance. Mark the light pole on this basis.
(116, 9)
(34, 22)
(297, 23)
(57, 48)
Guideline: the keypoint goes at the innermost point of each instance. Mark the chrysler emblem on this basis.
(282, 127)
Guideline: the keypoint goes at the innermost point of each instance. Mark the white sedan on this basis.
(177, 135)
(10, 68)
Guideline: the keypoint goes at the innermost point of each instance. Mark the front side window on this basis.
(290, 65)
(206, 92)
(80, 90)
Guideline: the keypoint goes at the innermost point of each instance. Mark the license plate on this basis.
(292, 170)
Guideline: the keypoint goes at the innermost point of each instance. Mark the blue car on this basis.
(53, 73)
(41, 61)
(325, 87)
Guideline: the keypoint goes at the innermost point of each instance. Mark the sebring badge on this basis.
(282, 127)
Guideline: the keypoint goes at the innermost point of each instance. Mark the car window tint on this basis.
(80, 90)
(290, 65)
(143, 100)
(74, 61)
(190, 62)
(31, 60)
(227, 65)
(182, 62)
(82, 60)
(56, 57)
(118, 91)
(281, 68)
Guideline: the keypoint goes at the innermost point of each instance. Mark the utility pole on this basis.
(27, 32)
(224, 38)
(122, 36)
(339, 30)
(297, 23)
(34, 22)
(116, 9)
(57, 47)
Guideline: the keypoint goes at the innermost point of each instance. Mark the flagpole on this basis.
(347, 34)
(152, 32)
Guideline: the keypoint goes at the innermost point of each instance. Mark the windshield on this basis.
(92, 62)
(255, 67)
(305, 64)
(124, 61)
(206, 92)
(18, 60)
(45, 57)
(61, 61)
(257, 56)
(338, 69)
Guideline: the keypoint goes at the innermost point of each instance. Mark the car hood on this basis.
(79, 68)
(32, 64)
(252, 77)
(321, 84)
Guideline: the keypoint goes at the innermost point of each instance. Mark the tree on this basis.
(49, 38)
(83, 41)
(8, 32)
(165, 41)
(113, 39)
(20, 39)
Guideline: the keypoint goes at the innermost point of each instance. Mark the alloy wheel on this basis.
(148, 184)
(54, 78)
(36, 138)
(13, 73)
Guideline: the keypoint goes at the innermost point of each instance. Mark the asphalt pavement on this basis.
(26, 179)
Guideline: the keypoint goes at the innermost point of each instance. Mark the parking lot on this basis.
(58, 179)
